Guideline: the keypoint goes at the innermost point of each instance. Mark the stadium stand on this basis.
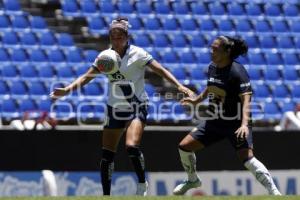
(35, 51)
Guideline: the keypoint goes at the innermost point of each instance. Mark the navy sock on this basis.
(138, 162)
(106, 167)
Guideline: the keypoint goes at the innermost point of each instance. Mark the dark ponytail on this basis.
(237, 46)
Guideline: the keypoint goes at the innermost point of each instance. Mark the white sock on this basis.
(262, 174)
(188, 161)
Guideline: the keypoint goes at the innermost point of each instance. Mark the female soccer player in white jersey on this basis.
(229, 93)
(127, 82)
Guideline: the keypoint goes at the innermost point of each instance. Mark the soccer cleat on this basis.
(182, 188)
(275, 192)
(142, 189)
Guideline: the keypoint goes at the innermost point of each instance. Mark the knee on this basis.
(133, 150)
(245, 155)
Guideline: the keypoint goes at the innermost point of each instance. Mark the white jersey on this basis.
(128, 82)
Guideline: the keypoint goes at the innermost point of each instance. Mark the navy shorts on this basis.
(210, 132)
(116, 118)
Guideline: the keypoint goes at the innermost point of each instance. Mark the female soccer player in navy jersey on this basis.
(127, 82)
(227, 117)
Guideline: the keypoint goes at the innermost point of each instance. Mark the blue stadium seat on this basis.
(271, 74)
(203, 57)
(74, 56)
(267, 41)
(46, 72)
(155, 54)
(37, 88)
(272, 9)
(12, 7)
(93, 89)
(207, 25)
(297, 42)
(178, 41)
(261, 91)
(199, 8)
(295, 26)
(5, 24)
(290, 58)
(90, 55)
(10, 40)
(143, 8)
(136, 24)
(254, 73)
(99, 111)
(97, 25)
(285, 42)
(107, 7)
(256, 58)
(216, 9)
(280, 92)
(272, 111)
(273, 58)
(188, 24)
(286, 106)
(9, 71)
(243, 25)
(290, 10)
(63, 110)
(280, 26)
(64, 40)
(28, 71)
(197, 41)
(187, 57)
(56, 56)
(160, 40)
(29, 40)
(170, 24)
(152, 24)
(150, 90)
(10, 109)
(19, 23)
(252, 41)
(47, 40)
(162, 8)
(38, 56)
(225, 25)
(169, 57)
(44, 105)
(180, 8)
(262, 26)
(197, 74)
(70, 8)
(125, 8)
(3, 88)
(89, 8)
(18, 56)
(242, 59)
(141, 40)
(80, 69)
(4, 56)
(18, 88)
(253, 9)
(290, 74)
(38, 24)
(64, 72)
(27, 105)
(295, 92)
(235, 9)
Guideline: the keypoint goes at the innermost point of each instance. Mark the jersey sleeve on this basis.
(244, 82)
(94, 64)
(145, 57)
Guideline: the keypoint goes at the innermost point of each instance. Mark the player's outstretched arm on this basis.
(79, 82)
(161, 71)
(196, 99)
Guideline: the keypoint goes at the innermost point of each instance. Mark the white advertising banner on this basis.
(225, 183)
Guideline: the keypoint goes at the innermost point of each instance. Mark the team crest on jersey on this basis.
(117, 76)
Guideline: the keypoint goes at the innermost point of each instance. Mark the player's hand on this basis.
(242, 132)
(186, 91)
(188, 100)
(58, 93)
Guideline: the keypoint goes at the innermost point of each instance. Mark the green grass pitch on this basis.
(159, 198)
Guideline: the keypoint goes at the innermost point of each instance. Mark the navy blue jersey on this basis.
(225, 85)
